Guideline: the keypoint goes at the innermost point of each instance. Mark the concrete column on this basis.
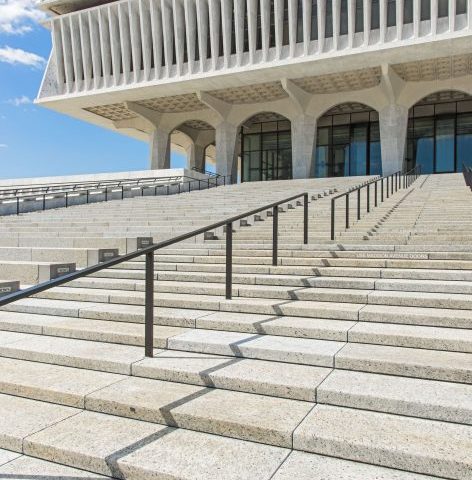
(196, 156)
(160, 149)
(303, 145)
(393, 121)
(226, 136)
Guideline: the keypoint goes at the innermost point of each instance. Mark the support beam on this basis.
(226, 136)
(393, 120)
(160, 149)
(303, 145)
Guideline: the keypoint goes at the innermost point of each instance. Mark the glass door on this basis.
(445, 145)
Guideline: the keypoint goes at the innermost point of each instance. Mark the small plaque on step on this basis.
(105, 254)
(60, 269)
(7, 287)
(144, 242)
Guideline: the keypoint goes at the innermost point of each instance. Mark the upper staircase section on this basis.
(149, 42)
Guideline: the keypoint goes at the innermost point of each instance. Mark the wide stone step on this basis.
(413, 444)
(127, 448)
(407, 362)
(240, 415)
(264, 347)
(17, 466)
(106, 357)
(436, 400)
(211, 296)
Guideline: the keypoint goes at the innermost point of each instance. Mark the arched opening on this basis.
(348, 142)
(190, 144)
(266, 148)
(209, 157)
(440, 133)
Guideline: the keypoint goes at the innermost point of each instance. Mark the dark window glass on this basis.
(461, 7)
(358, 151)
(408, 11)
(267, 154)
(285, 25)
(464, 140)
(329, 20)
(375, 15)
(443, 8)
(391, 13)
(314, 20)
(426, 10)
(359, 16)
(445, 144)
(272, 25)
(259, 27)
(300, 21)
(343, 30)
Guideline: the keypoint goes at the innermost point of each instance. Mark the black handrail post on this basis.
(229, 260)
(382, 190)
(347, 210)
(368, 198)
(305, 218)
(149, 306)
(106, 194)
(376, 182)
(87, 197)
(333, 200)
(67, 199)
(387, 187)
(17, 205)
(44, 201)
(275, 234)
(122, 192)
(359, 204)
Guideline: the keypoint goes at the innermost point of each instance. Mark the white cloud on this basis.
(17, 16)
(17, 56)
(23, 100)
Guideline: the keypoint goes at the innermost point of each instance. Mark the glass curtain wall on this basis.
(266, 150)
(348, 144)
(440, 136)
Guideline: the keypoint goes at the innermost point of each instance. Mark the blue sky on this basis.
(35, 141)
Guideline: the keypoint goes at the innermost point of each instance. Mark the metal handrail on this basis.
(393, 183)
(206, 172)
(181, 188)
(467, 171)
(49, 187)
(79, 187)
(149, 262)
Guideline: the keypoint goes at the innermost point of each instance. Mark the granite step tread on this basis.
(417, 445)
(246, 416)
(128, 448)
(423, 398)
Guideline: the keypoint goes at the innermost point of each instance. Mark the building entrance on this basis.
(348, 142)
(266, 148)
(440, 133)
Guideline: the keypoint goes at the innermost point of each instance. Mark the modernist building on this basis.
(272, 88)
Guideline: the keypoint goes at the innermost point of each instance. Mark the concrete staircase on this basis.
(348, 360)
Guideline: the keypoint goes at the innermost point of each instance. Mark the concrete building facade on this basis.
(271, 89)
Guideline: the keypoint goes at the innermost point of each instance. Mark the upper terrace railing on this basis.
(79, 194)
(133, 41)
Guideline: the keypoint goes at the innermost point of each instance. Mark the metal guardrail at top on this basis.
(206, 172)
(467, 171)
(149, 262)
(388, 185)
(31, 203)
(74, 186)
